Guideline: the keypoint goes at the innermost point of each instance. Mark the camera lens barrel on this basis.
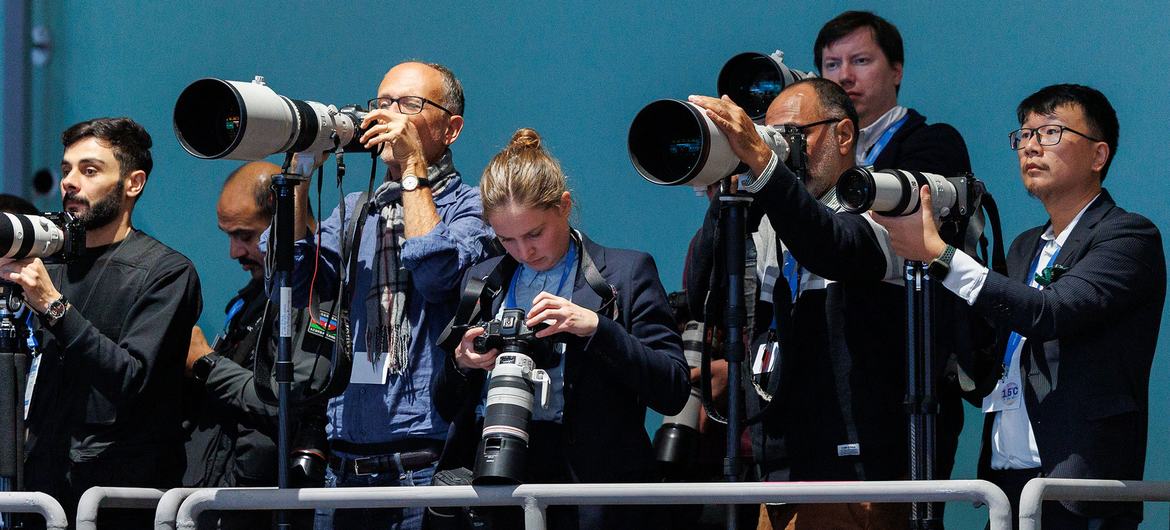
(507, 412)
(29, 236)
(674, 143)
(893, 191)
(214, 118)
(752, 80)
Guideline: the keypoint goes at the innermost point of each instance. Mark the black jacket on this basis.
(106, 408)
(630, 363)
(1091, 339)
(934, 148)
(231, 440)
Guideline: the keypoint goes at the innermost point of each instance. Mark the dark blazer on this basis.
(631, 362)
(1091, 338)
(843, 351)
(935, 148)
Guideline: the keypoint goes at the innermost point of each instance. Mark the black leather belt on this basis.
(420, 455)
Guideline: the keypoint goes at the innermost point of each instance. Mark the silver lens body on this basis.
(29, 236)
(239, 120)
(510, 396)
(674, 143)
(693, 350)
(896, 191)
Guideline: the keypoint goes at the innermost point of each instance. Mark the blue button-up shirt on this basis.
(400, 409)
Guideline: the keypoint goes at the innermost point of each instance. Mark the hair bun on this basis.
(525, 139)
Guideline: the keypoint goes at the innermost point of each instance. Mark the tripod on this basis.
(921, 403)
(14, 364)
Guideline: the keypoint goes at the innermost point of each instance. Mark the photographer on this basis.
(863, 53)
(106, 383)
(232, 432)
(422, 229)
(621, 351)
(1077, 316)
(839, 314)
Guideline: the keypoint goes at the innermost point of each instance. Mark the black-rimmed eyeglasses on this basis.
(801, 128)
(406, 104)
(1045, 134)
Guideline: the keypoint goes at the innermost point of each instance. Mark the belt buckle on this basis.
(358, 465)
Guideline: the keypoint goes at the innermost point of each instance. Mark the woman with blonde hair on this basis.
(609, 310)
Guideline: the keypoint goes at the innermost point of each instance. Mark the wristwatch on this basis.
(55, 310)
(939, 267)
(411, 182)
(202, 366)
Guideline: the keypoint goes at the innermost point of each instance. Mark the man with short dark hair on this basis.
(863, 53)
(424, 228)
(838, 315)
(1077, 317)
(106, 380)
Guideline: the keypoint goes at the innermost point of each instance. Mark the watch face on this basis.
(409, 182)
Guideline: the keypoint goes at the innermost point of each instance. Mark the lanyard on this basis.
(1015, 338)
(570, 257)
(883, 140)
(231, 313)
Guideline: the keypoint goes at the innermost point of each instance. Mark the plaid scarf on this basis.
(390, 331)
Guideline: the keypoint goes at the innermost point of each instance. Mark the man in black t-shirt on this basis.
(106, 379)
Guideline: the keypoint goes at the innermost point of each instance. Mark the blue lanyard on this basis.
(1015, 338)
(567, 266)
(231, 312)
(885, 139)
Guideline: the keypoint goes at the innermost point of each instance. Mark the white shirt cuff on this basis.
(966, 277)
(758, 182)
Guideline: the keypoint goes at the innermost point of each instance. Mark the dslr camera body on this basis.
(516, 380)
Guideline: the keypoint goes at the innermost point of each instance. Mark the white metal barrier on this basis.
(1038, 490)
(103, 497)
(534, 498)
(35, 502)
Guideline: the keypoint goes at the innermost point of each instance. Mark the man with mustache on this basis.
(106, 377)
(232, 434)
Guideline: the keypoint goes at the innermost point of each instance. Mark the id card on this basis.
(1008, 393)
(367, 372)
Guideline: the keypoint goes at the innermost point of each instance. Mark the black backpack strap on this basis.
(477, 295)
(596, 281)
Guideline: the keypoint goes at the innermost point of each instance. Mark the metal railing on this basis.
(1038, 490)
(534, 498)
(105, 497)
(35, 502)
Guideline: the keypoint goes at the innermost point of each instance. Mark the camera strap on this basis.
(330, 319)
(479, 292)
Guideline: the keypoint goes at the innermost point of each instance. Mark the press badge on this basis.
(1008, 393)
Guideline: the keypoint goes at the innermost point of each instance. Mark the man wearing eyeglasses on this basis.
(423, 228)
(1077, 318)
(838, 310)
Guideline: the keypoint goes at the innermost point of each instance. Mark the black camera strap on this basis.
(480, 291)
(342, 355)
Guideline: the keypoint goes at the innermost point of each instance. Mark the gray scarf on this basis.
(390, 330)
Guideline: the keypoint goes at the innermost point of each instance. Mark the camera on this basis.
(309, 454)
(895, 192)
(676, 441)
(239, 120)
(54, 236)
(517, 378)
(673, 143)
(752, 80)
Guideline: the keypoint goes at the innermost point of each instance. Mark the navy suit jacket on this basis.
(632, 361)
(1091, 338)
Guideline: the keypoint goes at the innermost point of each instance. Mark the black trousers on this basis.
(1053, 514)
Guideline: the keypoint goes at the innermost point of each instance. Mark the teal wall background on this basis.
(578, 72)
